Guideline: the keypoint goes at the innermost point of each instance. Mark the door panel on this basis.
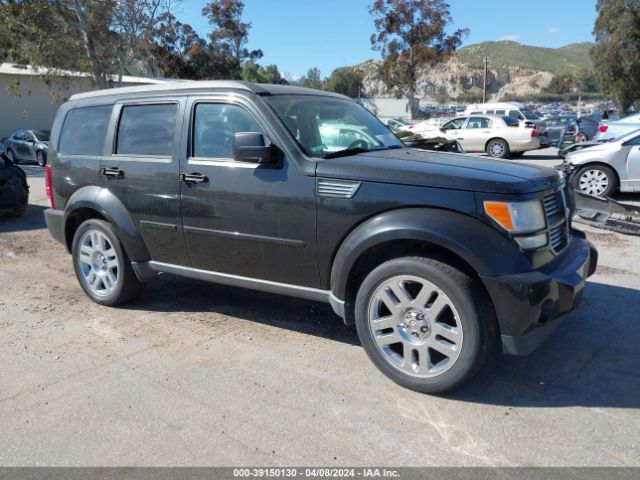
(141, 169)
(245, 219)
(633, 167)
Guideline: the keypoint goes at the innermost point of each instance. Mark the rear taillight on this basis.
(534, 134)
(48, 184)
(603, 128)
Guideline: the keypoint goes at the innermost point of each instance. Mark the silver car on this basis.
(602, 169)
(28, 145)
(614, 129)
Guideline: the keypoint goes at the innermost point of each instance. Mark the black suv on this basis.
(435, 257)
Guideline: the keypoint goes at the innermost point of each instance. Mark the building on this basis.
(386, 107)
(29, 97)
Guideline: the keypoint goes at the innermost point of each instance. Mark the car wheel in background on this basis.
(498, 148)
(40, 158)
(596, 180)
(12, 156)
(424, 324)
(102, 266)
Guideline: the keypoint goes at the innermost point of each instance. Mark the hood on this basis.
(594, 150)
(440, 170)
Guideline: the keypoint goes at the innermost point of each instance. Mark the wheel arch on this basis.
(442, 234)
(496, 138)
(95, 202)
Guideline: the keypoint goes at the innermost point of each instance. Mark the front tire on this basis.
(102, 266)
(425, 324)
(498, 148)
(40, 158)
(12, 156)
(595, 180)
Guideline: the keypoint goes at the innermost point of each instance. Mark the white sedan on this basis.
(499, 136)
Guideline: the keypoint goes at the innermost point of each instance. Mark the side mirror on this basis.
(249, 147)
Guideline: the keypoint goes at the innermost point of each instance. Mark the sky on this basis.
(300, 34)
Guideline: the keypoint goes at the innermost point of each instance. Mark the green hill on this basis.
(506, 54)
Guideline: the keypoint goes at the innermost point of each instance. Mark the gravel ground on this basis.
(198, 374)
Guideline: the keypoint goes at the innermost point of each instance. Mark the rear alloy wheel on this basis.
(498, 148)
(581, 137)
(424, 324)
(40, 158)
(596, 180)
(102, 266)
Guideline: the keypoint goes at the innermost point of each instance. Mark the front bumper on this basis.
(529, 305)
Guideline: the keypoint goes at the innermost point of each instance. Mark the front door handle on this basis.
(193, 178)
(112, 172)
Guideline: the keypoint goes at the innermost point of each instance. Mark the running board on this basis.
(604, 212)
(147, 271)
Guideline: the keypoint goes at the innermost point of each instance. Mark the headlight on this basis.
(517, 217)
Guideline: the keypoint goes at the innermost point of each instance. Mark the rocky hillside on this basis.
(514, 70)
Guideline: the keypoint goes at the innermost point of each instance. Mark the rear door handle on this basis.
(193, 178)
(112, 172)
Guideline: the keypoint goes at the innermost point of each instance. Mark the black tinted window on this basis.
(147, 130)
(213, 128)
(84, 131)
(511, 122)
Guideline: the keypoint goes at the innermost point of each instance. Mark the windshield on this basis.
(528, 114)
(42, 135)
(323, 125)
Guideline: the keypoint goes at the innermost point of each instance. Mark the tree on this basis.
(174, 50)
(344, 80)
(252, 72)
(312, 79)
(229, 36)
(616, 55)
(561, 84)
(412, 35)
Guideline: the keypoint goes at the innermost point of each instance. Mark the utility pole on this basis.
(484, 86)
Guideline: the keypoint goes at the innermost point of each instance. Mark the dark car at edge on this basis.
(436, 258)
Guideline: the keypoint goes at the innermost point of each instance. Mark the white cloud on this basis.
(553, 30)
(510, 38)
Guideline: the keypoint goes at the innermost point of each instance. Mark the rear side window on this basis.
(147, 130)
(84, 131)
(479, 122)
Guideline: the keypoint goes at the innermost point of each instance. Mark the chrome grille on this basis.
(337, 188)
(554, 207)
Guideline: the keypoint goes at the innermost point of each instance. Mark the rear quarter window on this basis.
(511, 122)
(84, 131)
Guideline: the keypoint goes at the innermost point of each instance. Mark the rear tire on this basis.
(498, 148)
(426, 325)
(102, 266)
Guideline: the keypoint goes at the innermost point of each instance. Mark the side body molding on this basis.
(110, 207)
(481, 246)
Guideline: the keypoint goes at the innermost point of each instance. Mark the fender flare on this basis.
(113, 210)
(483, 247)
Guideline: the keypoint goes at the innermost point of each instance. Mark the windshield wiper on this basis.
(347, 152)
(354, 151)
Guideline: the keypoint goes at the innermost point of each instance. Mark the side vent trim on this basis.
(337, 188)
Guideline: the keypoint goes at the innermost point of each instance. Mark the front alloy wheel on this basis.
(40, 158)
(425, 324)
(416, 326)
(596, 180)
